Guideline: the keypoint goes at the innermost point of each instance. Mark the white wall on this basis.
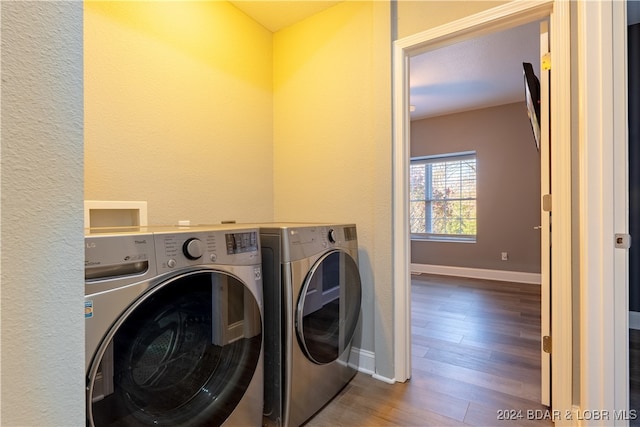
(41, 306)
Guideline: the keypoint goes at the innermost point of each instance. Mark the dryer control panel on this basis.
(306, 241)
(191, 248)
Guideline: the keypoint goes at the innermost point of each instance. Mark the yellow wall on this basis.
(332, 141)
(208, 116)
(323, 133)
(187, 108)
(178, 110)
(417, 16)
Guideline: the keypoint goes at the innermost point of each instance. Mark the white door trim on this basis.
(561, 236)
(508, 15)
(603, 209)
(621, 205)
(545, 217)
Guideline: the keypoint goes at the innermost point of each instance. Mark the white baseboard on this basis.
(634, 320)
(365, 362)
(383, 379)
(478, 273)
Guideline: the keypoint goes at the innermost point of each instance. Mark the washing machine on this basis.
(312, 296)
(173, 327)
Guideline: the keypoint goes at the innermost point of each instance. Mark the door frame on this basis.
(545, 217)
(603, 209)
(502, 17)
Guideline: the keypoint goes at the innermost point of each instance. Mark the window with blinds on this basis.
(443, 197)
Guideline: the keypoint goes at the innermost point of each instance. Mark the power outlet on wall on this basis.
(505, 256)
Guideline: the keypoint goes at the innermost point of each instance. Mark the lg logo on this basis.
(89, 245)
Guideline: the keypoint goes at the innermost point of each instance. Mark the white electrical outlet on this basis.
(505, 256)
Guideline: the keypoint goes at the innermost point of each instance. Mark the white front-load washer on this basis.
(312, 296)
(173, 327)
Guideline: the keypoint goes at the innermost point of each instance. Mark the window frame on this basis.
(441, 158)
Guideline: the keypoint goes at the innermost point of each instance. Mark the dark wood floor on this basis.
(476, 357)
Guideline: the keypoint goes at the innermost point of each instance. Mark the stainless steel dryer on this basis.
(174, 327)
(312, 295)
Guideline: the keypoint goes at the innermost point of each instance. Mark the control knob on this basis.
(332, 235)
(193, 248)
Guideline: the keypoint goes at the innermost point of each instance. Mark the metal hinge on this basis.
(546, 344)
(546, 61)
(546, 203)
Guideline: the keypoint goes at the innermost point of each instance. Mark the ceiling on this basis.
(276, 15)
(481, 72)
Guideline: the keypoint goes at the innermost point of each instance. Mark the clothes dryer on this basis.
(173, 327)
(312, 295)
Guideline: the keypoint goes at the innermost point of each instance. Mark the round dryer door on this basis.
(184, 354)
(329, 307)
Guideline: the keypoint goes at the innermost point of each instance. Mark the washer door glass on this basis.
(329, 307)
(183, 354)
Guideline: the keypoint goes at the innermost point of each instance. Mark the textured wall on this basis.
(415, 16)
(42, 333)
(508, 187)
(332, 142)
(332, 134)
(178, 110)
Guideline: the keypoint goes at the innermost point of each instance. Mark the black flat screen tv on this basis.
(532, 99)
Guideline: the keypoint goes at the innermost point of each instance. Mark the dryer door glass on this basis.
(329, 307)
(185, 353)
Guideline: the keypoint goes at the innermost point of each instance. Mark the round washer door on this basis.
(184, 354)
(329, 307)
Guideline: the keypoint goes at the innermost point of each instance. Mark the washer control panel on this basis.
(331, 234)
(190, 248)
(113, 260)
(193, 248)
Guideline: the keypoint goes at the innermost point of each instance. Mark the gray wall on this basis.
(508, 187)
